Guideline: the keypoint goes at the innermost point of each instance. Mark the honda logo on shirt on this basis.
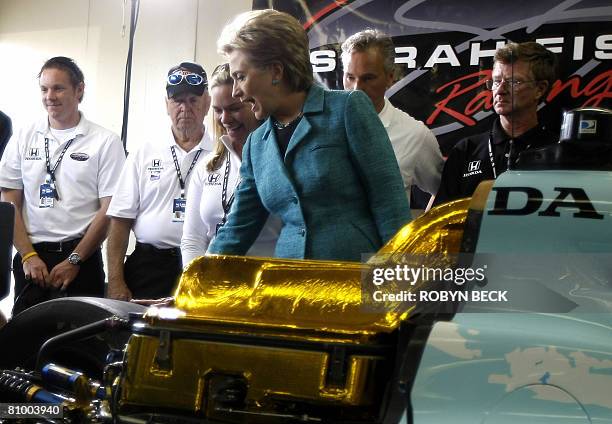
(33, 154)
(474, 166)
(156, 163)
(213, 178)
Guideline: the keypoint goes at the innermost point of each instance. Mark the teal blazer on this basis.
(338, 190)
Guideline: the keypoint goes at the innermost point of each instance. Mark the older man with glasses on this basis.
(522, 76)
(151, 193)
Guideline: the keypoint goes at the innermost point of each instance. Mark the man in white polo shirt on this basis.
(368, 62)
(150, 196)
(60, 173)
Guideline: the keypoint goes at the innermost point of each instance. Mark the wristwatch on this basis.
(75, 259)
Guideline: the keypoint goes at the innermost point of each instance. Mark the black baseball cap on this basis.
(186, 77)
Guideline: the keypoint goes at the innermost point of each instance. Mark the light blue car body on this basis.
(550, 365)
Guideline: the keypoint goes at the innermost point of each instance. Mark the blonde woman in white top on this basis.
(211, 191)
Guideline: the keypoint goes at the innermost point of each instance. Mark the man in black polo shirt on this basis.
(522, 76)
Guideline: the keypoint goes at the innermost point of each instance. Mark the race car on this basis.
(491, 309)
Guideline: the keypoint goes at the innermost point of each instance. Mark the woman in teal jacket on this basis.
(322, 161)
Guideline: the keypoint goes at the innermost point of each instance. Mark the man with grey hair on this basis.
(522, 75)
(150, 198)
(368, 60)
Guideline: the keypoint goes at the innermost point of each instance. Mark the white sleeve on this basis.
(126, 197)
(112, 159)
(428, 167)
(10, 166)
(195, 239)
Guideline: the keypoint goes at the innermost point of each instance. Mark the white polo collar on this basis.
(205, 143)
(225, 140)
(386, 114)
(82, 128)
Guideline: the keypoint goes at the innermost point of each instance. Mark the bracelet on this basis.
(24, 258)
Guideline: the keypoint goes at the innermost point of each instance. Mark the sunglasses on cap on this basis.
(190, 78)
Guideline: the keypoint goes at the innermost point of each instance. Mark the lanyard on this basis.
(50, 170)
(226, 205)
(509, 155)
(492, 159)
(178, 169)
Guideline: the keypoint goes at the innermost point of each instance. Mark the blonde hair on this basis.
(267, 37)
(220, 76)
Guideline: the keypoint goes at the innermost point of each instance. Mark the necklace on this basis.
(281, 126)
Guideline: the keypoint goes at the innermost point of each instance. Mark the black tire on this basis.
(22, 337)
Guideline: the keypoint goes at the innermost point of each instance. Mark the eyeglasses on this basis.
(191, 78)
(515, 84)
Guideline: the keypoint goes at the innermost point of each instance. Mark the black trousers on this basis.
(88, 282)
(152, 273)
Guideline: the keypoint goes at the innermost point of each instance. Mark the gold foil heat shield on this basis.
(307, 294)
(282, 293)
